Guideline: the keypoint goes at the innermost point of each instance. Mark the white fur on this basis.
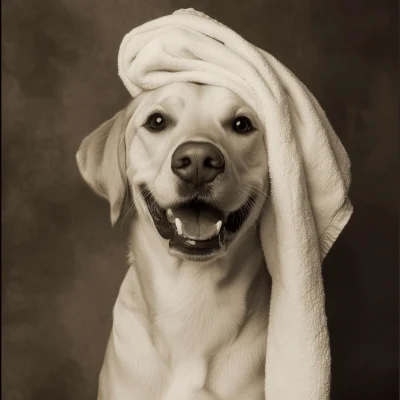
(178, 336)
(183, 330)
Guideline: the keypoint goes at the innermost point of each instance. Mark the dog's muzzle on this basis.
(195, 227)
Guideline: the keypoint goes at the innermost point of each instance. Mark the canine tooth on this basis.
(170, 215)
(218, 226)
(178, 224)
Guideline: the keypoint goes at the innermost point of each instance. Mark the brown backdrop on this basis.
(62, 262)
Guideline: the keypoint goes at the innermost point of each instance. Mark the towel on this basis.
(309, 173)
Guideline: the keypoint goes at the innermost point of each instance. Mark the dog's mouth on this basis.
(195, 228)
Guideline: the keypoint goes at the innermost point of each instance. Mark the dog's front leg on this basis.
(188, 380)
(132, 368)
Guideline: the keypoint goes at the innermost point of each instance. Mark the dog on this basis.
(190, 321)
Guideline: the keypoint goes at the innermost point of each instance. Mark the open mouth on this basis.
(196, 228)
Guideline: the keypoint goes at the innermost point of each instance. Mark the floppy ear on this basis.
(102, 162)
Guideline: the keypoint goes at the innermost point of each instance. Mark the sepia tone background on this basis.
(61, 261)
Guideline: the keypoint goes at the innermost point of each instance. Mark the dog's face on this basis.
(196, 164)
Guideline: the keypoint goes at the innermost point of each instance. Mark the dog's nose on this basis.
(197, 162)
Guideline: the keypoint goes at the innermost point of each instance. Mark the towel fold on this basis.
(309, 174)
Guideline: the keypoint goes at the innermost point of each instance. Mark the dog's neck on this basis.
(163, 273)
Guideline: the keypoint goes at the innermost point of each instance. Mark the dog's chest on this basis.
(199, 337)
(194, 315)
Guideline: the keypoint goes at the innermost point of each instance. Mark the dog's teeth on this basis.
(218, 226)
(170, 215)
(178, 224)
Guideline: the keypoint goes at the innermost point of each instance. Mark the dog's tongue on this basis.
(196, 223)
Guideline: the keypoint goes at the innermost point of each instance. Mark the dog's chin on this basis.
(196, 255)
(196, 230)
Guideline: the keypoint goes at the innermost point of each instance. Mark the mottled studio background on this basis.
(62, 263)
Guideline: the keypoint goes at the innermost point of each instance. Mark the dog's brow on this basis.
(232, 108)
(172, 99)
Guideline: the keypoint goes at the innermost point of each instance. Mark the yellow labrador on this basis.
(191, 317)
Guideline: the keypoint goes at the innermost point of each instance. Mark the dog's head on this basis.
(194, 160)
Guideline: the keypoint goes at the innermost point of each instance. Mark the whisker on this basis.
(247, 204)
(257, 191)
(242, 193)
(131, 207)
(254, 188)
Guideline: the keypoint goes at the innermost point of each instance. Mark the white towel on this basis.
(309, 173)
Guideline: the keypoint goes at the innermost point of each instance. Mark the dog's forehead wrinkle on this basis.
(221, 94)
(179, 91)
(174, 101)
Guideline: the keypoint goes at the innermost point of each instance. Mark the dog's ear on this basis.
(102, 162)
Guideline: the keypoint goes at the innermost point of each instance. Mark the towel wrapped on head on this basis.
(309, 174)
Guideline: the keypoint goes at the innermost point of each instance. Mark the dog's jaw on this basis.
(185, 239)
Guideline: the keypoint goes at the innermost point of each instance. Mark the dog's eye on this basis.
(242, 125)
(156, 122)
